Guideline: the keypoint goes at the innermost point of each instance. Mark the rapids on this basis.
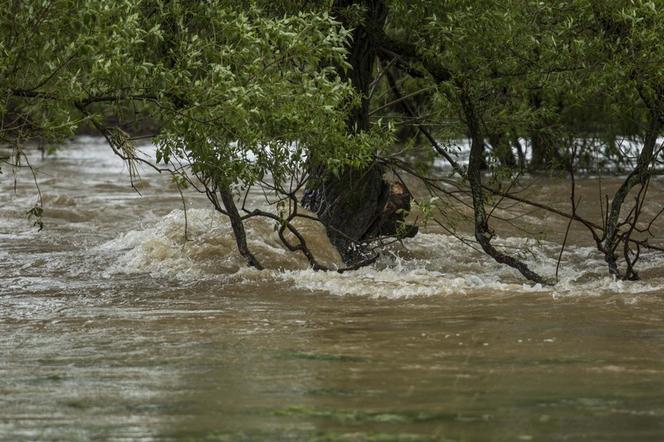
(114, 326)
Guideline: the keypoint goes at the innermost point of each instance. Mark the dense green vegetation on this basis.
(334, 99)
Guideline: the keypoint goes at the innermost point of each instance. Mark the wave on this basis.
(427, 265)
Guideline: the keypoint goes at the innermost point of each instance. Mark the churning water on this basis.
(113, 326)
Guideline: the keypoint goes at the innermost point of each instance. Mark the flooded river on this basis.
(112, 327)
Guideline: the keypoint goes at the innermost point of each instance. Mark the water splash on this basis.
(427, 265)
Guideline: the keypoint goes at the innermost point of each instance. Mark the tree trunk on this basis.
(639, 176)
(353, 205)
(238, 228)
(362, 52)
(483, 233)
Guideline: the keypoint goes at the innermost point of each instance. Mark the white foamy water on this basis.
(427, 265)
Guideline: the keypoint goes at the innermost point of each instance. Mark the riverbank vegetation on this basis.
(334, 109)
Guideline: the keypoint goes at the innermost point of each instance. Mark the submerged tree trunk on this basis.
(483, 233)
(354, 204)
(238, 228)
(639, 176)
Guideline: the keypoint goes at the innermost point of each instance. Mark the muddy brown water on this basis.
(114, 328)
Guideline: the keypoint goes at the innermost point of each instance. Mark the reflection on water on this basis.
(113, 327)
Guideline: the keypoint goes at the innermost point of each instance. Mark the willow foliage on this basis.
(236, 92)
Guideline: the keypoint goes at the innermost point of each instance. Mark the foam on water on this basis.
(161, 249)
(427, 265)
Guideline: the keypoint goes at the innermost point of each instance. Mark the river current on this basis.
(114, 327)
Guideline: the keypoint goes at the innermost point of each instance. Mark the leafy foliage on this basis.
(237, 93)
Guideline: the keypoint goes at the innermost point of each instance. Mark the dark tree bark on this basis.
(353, 204)
(362, 54)
(639, 176)
(238, 228)
(483, 233)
